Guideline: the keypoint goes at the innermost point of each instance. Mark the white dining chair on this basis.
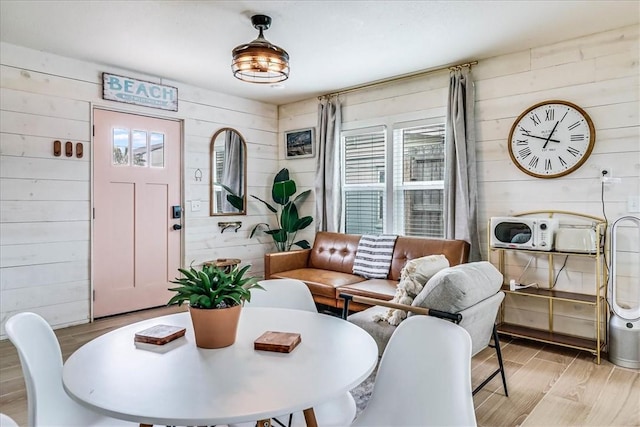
(7, 421)
(294, 294)
(283, 293)
(424, 377)
(41, 359)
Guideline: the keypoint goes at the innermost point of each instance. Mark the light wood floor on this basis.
(548, 385)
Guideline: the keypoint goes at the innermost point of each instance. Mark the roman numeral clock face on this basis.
(551, 139)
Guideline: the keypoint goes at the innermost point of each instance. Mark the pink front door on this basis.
(136, 250)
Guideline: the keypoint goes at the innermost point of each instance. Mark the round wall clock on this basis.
(551, 139)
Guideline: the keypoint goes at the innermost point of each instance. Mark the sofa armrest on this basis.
(285, 261)
(456, 317)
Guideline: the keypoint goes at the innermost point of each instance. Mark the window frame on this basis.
(367, 186)
(397, 224)
(393, 176)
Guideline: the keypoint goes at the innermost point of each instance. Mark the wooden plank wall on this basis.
(598, 72)
(45, 201)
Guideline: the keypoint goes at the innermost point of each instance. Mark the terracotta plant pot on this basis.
(215, 328)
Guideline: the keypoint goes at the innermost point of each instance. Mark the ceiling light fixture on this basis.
(260, 61)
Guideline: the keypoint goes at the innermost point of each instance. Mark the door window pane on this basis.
(156, 144)
(139, 147)
(120, 145)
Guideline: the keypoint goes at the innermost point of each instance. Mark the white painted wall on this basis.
(599, 73)
(45, 201)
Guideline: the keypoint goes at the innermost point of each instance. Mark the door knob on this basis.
(177, 227)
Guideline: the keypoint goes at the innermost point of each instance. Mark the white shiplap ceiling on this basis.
(333, 44)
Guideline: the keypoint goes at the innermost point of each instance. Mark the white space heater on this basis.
(624, 321)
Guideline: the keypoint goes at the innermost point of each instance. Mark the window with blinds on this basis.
(416, 189)
(419, 180)
(363, 184)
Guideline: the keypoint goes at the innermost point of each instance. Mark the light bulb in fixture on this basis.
(260, 61)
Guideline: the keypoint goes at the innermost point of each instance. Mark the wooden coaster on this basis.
(281, 342)
(159, 334)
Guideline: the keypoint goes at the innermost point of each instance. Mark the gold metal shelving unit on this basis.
(597, 300)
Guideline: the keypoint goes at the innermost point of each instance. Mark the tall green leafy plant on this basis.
(286, 213)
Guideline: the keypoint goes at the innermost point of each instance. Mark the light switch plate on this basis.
(633, 204)
(195, 205)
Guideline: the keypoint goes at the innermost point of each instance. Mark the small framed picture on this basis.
(299, 143)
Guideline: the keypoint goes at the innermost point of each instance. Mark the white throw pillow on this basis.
(415, 273)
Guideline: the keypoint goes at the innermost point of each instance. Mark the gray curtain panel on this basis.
(232, 175)
(327, 185)
(461, 189)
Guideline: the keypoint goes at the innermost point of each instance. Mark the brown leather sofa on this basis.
(327, 267)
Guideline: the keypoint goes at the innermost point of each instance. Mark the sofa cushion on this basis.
(454, 289)
(320, 282)
(380, 331)
(408, 248)
(372, 288)
(334, 251)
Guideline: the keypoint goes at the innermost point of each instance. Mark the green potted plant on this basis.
(215, 299)
(288, 220)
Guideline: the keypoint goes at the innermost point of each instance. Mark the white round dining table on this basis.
(187, 385)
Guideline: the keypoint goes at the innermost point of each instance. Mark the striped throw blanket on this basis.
(373, 256)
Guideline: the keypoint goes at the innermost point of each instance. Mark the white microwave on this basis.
(523, 233)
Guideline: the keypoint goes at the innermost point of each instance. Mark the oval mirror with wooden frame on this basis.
(228, 183)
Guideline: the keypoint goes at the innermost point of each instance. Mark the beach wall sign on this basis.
(139, 92)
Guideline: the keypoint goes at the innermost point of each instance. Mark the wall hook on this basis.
(57, 148)
(230, 224)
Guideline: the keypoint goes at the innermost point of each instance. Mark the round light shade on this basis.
(260, 61)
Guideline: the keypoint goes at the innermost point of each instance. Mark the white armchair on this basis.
(467, 294)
